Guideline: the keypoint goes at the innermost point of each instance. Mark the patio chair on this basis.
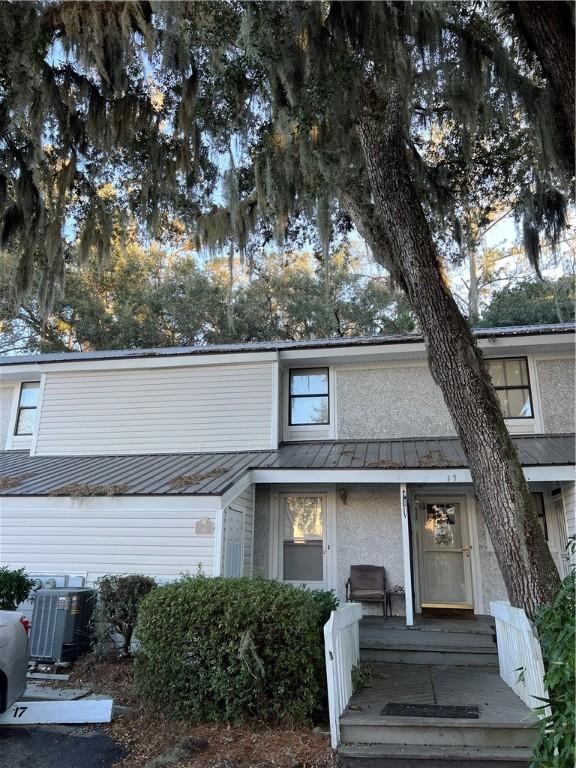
(367, 584)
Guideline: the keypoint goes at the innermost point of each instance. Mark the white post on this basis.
(406, 555)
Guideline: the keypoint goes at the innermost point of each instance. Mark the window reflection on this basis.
(309, 396)
(512, 385)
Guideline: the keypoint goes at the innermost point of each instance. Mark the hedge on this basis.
(233, 649)
(119, 599)
(15, 587)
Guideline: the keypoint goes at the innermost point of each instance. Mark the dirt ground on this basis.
(151, 740)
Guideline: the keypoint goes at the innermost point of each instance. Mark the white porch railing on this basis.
(566, 565)
(519, 654)
(342, 648)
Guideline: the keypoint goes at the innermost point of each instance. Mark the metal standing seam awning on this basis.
(215, 474)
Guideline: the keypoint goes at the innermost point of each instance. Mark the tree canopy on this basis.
(237, 115)
(244, 118)
(149, 297)
(532, 302)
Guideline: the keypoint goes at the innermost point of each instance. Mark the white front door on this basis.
(303, 542)
(444, 553)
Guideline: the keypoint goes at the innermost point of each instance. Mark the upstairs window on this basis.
(512, 384)
(309, 397)
(27, 406)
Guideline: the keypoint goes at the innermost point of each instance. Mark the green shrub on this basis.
(119, 599)
(233, 649)
(327, 602)
(555, 623)
(15, 587)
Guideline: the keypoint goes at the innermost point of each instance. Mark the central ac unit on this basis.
(60, 628)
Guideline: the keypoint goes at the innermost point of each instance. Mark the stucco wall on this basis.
(262, 530)
(557, 394)
(369, 532)
(390, 402)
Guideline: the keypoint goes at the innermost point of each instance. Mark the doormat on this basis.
(448, 613)
(430, 710)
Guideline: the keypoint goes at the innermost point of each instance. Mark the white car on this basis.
(14, 628)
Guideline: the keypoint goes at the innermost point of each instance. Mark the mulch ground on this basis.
(155, 741)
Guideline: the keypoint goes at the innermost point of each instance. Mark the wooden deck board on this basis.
(482, 687)
(481, 625)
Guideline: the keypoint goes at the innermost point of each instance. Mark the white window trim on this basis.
(330, 582)
(308, 431)
(466, 496)
(38, 412)
(525, 426)
(16, 442)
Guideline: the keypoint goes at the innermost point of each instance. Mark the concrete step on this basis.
(453, 656)
(358, 728)
(419, 756)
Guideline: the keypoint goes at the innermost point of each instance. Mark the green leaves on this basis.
(557, 634)
(149, 97)
(532, 303)
(145, 298)
(119, 599)
(15, 586)
(233, 649)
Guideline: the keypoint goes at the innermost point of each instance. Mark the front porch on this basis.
(502, 733)
(429, 538)
(433, 694)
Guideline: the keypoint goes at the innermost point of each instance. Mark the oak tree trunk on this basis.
(547, 29)
(401, 236)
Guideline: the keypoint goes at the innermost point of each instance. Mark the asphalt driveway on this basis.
(57, 746)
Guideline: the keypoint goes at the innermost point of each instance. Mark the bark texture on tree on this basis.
(403, 240)
(547, 29)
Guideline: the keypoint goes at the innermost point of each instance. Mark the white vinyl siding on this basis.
(248, 496)
(155, 536)
(206, 408)
(569, 495)
(237, 535)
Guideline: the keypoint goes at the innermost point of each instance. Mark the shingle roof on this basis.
(212, 474)
(276, 346)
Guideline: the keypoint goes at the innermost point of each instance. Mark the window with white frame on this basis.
(309, 397)
(27, 408)
(512, 384)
